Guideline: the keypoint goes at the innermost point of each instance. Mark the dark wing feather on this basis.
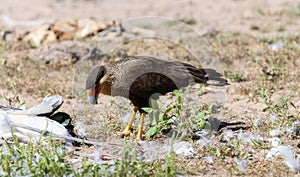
(138, 78)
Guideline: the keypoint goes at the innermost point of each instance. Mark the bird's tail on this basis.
(206, 76)
(215, 78)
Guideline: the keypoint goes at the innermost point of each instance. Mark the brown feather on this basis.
(138, 78)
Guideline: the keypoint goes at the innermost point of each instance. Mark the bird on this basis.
(141, 78)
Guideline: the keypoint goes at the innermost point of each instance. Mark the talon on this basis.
(125, 132)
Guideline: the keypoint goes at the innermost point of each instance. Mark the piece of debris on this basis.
(275, 132)
(292, 159)
(276, 46)
(183, 148)
(259, 122)
(242, 164)
(31, 123)
(275, 141)
(248, 137)
(209, 159)
(47, 107)
(26, 127)
(80, 129)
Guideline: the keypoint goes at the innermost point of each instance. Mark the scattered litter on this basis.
(80, 129)
(292, 160)
(183, 148)
(203, 133)
(259, 122)
(228, 135)
(26, 127)
(248, 137)
(47, 106)
(209, 159)
(272, 118)
(276, 46)
(152, 150)
(275, 141)
(203, 142)
(275, 132)
(242, 164)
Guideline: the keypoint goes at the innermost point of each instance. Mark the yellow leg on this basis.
(127, 130)
(140, 131)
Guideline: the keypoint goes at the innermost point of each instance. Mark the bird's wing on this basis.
(146, 75)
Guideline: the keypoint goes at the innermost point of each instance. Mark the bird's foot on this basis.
(125, 132)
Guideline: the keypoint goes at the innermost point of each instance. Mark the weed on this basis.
(172, 116)
(38, 159)
(234, 76)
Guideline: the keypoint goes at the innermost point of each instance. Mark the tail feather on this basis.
(215, 78)
(206, 76)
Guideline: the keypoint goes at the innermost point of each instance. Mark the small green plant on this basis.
(234, 76)
(160, 120)
(201, 119)
(38, 159)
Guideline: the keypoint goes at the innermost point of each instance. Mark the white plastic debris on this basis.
(276, 46)
(209, 159)
(242, 164)
(273, 118)
(203, 142)
(183, 148)
(228, 135)
(275, 141)
(259, 122)
(26, 127)
(81, 129)
(248, 137)
(296, 123)
(292, 160)
(203, 133)
(47, 106)
(275, 132)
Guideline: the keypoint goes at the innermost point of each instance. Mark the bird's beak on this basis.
(92, 96)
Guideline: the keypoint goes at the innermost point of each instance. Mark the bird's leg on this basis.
(127, 130)
(140, 131)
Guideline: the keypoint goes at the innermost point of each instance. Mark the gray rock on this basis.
(67, 52)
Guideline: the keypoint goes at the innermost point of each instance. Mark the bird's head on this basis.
(93, 85)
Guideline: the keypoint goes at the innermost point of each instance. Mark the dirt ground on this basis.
(256, 38)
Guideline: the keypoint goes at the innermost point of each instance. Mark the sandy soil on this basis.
(228, 15)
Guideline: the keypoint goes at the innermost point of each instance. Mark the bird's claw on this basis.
(125, 132)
